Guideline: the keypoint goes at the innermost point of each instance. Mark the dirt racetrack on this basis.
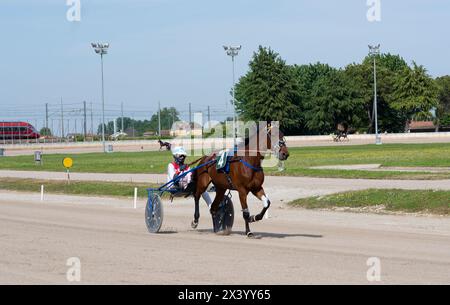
(293, 246)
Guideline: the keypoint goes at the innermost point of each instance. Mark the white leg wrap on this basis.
(207, 199)
(265, 201)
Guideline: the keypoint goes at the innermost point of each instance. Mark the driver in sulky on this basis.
(178, 167)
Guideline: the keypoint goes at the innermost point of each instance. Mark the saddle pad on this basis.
(222, 159)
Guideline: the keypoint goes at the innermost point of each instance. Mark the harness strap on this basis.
(256, 169)
(230, 182)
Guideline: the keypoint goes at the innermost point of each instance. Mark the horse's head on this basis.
(280, 148)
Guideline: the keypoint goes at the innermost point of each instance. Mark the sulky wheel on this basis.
(154, 213)
(224, 218)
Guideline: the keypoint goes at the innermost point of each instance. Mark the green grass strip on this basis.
(298, 164)
(107, 189)
(410, 201)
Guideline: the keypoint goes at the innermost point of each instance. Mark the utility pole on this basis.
(62, 120)
(102, 49)
(46, 116)
(209, 118)
(122, 116)
(190, 115)
(132, 124)
(233, 51)
(159, 119)
(374, 51)
(92, 122)
(85, 121)
(35, 125)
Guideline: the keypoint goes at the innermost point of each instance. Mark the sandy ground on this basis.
(294, 246)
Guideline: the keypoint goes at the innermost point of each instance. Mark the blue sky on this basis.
(171, 51)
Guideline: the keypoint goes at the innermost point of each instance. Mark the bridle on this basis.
(277, 147)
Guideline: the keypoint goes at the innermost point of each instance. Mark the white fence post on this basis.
(42, 192)
(135, 197)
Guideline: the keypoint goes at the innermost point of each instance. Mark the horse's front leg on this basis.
(194, 222)
(261, 195)
(245, 212)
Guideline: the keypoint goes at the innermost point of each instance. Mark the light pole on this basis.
(233, 51)
(374, 51)
(102, 49)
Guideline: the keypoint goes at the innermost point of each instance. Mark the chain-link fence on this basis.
(81, 121)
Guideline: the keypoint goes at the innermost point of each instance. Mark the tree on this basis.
(326, 98)
(45, 132)
(168, 117)
(268, 91)
(361, 82)
(443, 109)
(139, 126)
(313, 99)
(415, 93)
(306, 77)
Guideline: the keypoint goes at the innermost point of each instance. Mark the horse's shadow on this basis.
(259, 235)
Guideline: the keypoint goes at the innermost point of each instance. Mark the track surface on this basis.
(294, 246)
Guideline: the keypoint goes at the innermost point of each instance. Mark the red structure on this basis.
(18, 130)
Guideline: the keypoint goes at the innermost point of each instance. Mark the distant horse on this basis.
(245, 175)
(162, 144)
(342, 132)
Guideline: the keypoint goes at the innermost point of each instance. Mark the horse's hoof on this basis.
(250, 235)
(194, 224)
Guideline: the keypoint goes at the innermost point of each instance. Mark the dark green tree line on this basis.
(313, 99)
(139, 127)
(268, 91)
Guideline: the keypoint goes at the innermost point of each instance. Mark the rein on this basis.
(173, 181)
(256, 169)
(194, 162)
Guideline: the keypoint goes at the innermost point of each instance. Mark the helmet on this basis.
(179, 154)
(179, 151)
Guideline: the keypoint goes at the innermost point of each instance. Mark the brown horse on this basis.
(246, 175)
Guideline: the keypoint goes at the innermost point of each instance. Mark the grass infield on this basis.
(299, 163)
(89, 188)
(410, 201)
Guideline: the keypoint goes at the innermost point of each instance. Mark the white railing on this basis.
(228, 142)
